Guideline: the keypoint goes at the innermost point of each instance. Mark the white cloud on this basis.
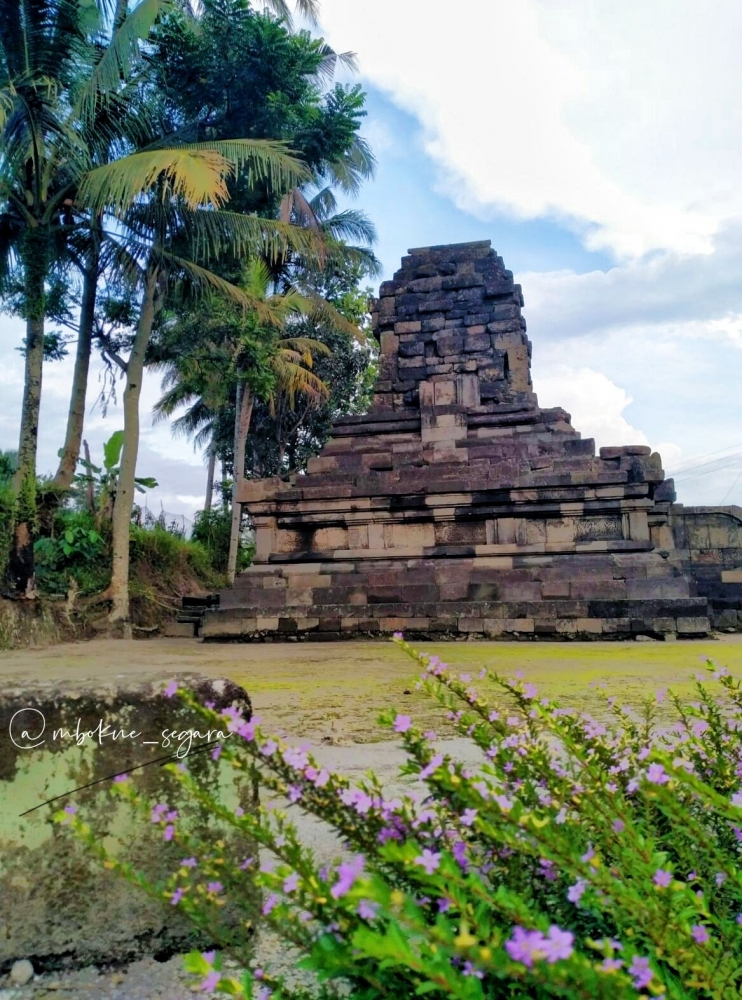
(595, 403)
(620, 118)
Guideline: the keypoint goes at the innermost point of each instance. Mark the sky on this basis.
(599, 148)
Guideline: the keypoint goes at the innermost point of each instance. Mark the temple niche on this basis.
(457, 506)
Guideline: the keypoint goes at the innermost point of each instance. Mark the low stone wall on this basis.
(60, 908)
(708, 549)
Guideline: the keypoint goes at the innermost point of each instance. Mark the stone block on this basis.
(179, 630)
(518, 625)
(692, 626)
(591, 626)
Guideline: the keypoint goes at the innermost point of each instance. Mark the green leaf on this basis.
(147, 481)
(112, 450)
(69, 536)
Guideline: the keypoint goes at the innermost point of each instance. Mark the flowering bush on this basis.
(581, 858)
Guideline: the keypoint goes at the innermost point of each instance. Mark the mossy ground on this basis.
(336, 691)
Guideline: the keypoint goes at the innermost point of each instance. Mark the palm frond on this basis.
(308, 9)
(293, 379)
(214, 232)
(196, 173)
(351, 224)
(356, 165)
(121, 55)
(205, 280)
(199, 177)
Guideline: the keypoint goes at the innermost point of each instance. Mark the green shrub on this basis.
(212, 528)
(582, 858)
(165, 556)
(75, 550)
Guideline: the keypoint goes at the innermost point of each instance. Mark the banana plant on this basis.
(100, 482)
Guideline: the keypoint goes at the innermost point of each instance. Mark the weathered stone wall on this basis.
(60, 907)
(458, 505)
(708, 548)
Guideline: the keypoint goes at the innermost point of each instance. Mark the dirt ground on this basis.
(334, 692)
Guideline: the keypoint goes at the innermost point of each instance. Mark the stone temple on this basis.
(457, 505)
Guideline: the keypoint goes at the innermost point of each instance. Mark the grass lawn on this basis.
(335, 691)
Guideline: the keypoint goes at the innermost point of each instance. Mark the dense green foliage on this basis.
(152, 155)
(211, 529)
(565, 856)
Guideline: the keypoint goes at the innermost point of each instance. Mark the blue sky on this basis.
(411, 207)
(599, 148)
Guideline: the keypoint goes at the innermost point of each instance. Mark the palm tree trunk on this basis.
(21, 561)
(224, 484)
(119, 589)
(76, 415)
(89, 488)
(243, 413)
(210, 478)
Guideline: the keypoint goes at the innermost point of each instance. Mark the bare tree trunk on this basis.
(76, 415)
(224, 484)
(119, 589)
(210, 478)
(21, 561)
(89, 488)
(243, 413)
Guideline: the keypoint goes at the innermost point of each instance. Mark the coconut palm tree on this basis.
(56, 81)
(237, 357)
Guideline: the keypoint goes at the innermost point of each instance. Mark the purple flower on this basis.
(270, 903)
(367, 909)
(214, 887)
(264, 993)
(291, 883)
(209, 956)
(70, 810)
(188, 863)
(158, 812)
(524, 946)
(471, 970)
(211, 982)
(294, 793)
(434, 764)
(459, 853)
(640, 971)
(468, 817)
(269, 748)
(402, 724)
(720, 878)
(574, 893)
(176, 897)
(529, 946)
(398, 636)
(169, 832)
(120, 778)
(558, 945)
(662, 878)
(699, 933)
(618, 826)
(656, 775)
(171, 689)
(296, 757)
(428, 860)
(347, 874)
(529, 692)
(216, 753)
(611, 964)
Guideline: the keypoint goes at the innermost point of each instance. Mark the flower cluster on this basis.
(581, 857)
